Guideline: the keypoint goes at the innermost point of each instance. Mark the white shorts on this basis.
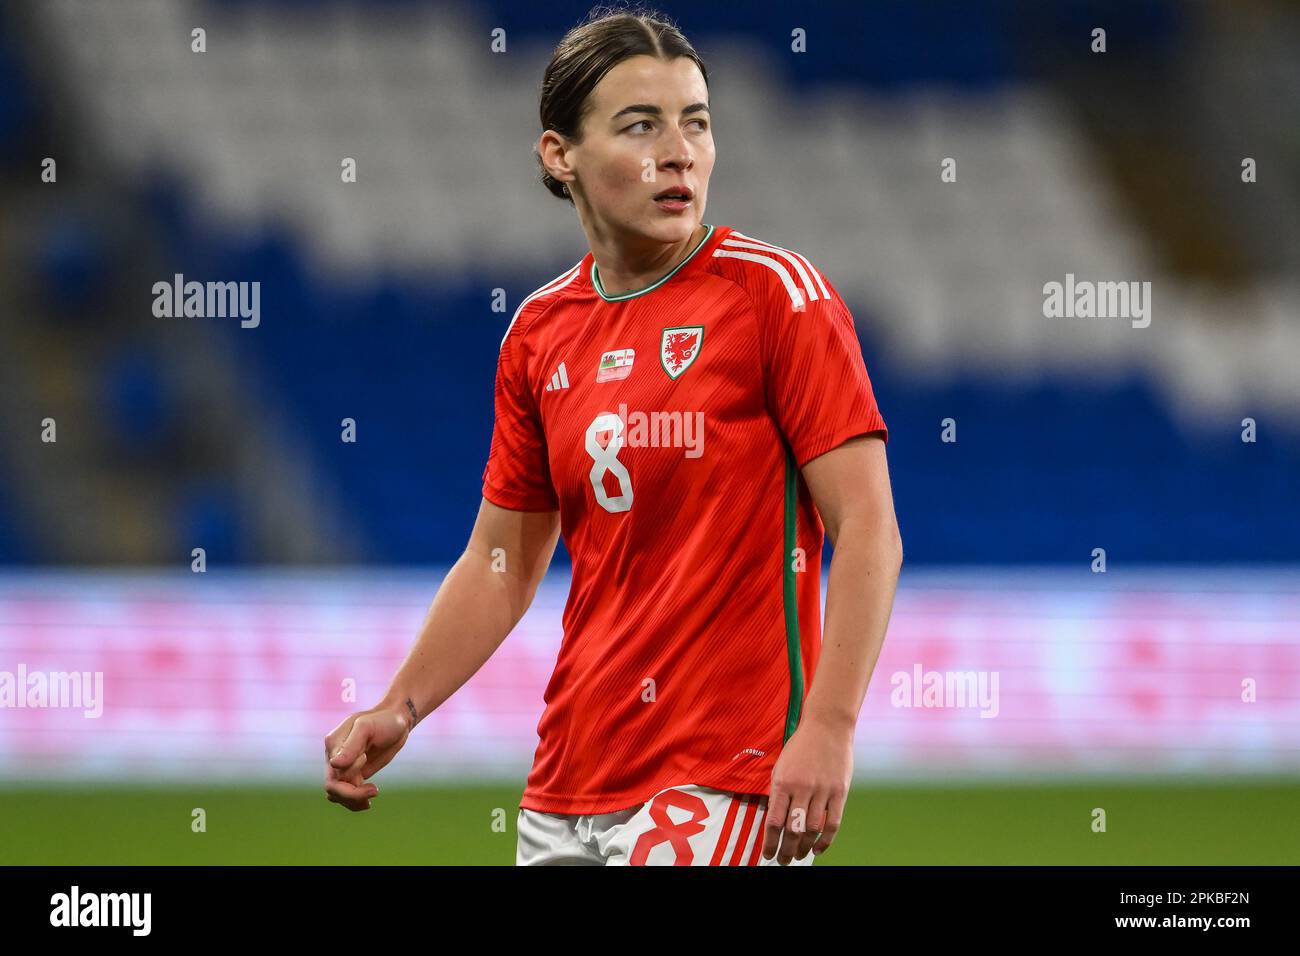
(681, 826)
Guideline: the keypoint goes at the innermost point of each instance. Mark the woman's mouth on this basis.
(674, 199)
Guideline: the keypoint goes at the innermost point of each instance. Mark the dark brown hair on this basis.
(606, 38)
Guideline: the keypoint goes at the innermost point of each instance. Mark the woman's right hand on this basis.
(360, 747)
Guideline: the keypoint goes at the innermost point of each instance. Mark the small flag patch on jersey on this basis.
(615, 365)
(679, 347)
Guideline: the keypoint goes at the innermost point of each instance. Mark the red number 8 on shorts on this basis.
(666, 831)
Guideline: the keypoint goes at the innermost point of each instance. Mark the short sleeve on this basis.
(517, 475)
(817, 386)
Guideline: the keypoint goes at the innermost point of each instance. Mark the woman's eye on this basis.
(701, 124)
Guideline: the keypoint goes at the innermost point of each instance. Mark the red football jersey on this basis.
(668, 425)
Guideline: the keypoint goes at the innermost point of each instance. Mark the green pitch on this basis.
(1150, 823)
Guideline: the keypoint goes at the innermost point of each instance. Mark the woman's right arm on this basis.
(480, 601)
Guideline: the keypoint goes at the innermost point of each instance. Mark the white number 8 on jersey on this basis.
(606, 459)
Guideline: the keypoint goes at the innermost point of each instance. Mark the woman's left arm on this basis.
(810, 783)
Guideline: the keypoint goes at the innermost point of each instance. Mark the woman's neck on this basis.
(624, 269)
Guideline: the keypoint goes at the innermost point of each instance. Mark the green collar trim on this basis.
(600, 291)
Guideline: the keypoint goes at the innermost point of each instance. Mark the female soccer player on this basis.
(689, 406)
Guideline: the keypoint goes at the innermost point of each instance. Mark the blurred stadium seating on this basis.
(378, 292)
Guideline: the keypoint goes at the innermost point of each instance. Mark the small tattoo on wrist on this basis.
(411, 707)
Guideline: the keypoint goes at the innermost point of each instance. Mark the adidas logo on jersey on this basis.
(559, 380)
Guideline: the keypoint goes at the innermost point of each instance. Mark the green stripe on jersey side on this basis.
(790, 595)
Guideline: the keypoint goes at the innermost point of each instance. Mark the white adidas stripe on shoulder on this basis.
(559, 282)
(771, 256)
(798, 258)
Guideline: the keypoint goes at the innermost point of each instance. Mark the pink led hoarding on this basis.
(135, 677)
